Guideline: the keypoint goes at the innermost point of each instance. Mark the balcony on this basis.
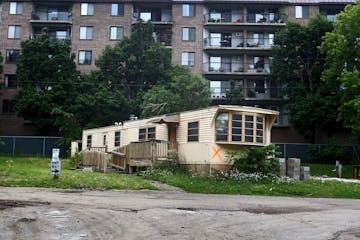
(156, 16)
(252, 18)
(236, 41)
(229, 66)
(46, 15)
(262, 93)
(164, 38)
(54, 35)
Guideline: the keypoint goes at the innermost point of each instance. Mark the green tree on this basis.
(136, 63)
(183, 91)
(48, 83)
(298, 65)
(342, 49)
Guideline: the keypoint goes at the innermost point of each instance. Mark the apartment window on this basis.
(88, 140)
(117, 9)
(16, 8)
(87, 9)
(85, 57)
(116, 33)
(188, 34)
(117, 139)
(14, 32)
(86, 33)
(146, 134)
(302, 11)
(10, 81)
(12, 55)
(188, 59)
(193, 131)
(245, 128)
(188, 10)
(7, 106)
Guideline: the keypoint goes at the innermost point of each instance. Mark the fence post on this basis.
(13, 149)
(43, 152)
(285, 151)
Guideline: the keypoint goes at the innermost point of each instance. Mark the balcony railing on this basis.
(236, 67)
(266, 93)
(262, 93)
(266, 18)
(220, 42)
(226, 18)
(53, 37)
(155, 17)
(51, 16)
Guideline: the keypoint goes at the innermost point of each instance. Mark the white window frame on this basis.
(187, 33)
(299, 10)
(188, 10)
(188, 59)
(114, 33)
(82, 57)
(86, 9)
(14, 31)
(86, 33)
(114, 9)
(16, 8)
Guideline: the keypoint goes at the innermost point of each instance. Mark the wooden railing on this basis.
(146, 154)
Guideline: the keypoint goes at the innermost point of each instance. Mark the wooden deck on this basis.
(140, 154)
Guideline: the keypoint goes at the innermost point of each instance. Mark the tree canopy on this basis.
(342, 49)
(47, 80)
(133, 77)
(297, 65)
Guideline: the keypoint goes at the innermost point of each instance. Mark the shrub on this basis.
(256, 160)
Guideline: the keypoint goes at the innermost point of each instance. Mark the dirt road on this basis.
(54, 214)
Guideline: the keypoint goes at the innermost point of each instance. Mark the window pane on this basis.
(259, 133)
(193, 138)
(90, 10)
(249, 125)
(11, 31)
(249, 139)
(249, 132)
(83, 10)
(222, 122)
(259, 126)
(236, 124)
(193, 125)
(82, 32)
(249, 118)
(114, 9)
(236, 138)
(13, 8)
(260, 119)
(236, 131)
(237, 117)
(259, 140)
(185, 10)
(193, 131)
(221, 137)
(298, 11)
(17, 32)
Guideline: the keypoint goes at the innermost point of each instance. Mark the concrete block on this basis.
(304, 173)
(293, 168)
(282, 164)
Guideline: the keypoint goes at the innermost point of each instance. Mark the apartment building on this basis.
(228, 42)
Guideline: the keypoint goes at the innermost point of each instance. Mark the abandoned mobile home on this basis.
(200, 138)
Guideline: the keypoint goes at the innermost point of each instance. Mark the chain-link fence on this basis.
(31, 146)
(302, 151)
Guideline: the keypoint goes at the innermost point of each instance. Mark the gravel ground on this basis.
(54, 214)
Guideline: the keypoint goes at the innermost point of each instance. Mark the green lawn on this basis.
(317, 169)
(309, 188)
(35, 172)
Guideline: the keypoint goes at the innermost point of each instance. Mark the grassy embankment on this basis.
(34, 172)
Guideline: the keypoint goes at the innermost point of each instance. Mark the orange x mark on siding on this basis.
(217, 153)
